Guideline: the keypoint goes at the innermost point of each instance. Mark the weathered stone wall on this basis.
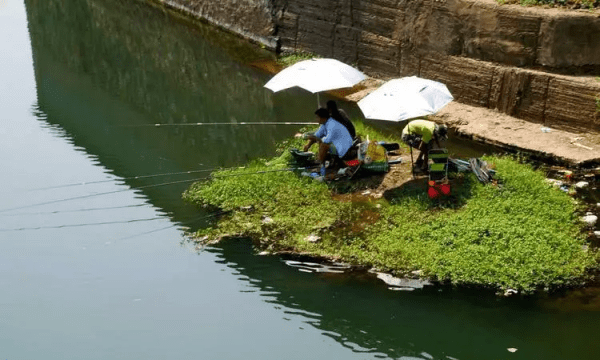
(484, 52)
(252, 19)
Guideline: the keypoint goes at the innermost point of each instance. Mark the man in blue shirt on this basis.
(332, 136)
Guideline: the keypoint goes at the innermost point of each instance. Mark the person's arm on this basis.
(321, 131)
(311, 140)
(314, 138)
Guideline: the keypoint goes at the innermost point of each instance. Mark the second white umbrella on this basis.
(405, 98)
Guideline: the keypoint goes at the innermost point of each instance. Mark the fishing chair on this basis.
(438, 170)
(438, 173)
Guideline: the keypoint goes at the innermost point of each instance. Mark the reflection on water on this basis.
(359, 312)
(95, 86)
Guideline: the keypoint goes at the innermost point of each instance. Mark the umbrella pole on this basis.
(318, 101)
(412, 165)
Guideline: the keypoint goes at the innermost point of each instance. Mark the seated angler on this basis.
(333, 137)
(341, 116)
(418, 134)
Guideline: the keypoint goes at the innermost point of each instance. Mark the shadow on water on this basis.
(361, 313)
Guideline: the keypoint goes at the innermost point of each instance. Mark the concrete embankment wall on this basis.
(525, 62)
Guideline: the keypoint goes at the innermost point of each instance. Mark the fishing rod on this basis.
(75, 210)
(132, 178)
(80, 225)
(176, 224)
(221, 123)
(143, 187)
(98, 194)
(113, 222)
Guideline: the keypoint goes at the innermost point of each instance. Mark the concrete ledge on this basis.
(547, 144)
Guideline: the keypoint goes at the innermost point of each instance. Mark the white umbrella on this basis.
(316, 75)
(405, 98)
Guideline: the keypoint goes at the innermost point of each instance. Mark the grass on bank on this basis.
(289, 59)
(585, 4)
(522, 234)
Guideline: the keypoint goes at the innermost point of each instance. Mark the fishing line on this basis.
(173, 225)
(222, 123)
(87, 224)
(142, 187)
(128, 178)
(75, 210)
(99, 194)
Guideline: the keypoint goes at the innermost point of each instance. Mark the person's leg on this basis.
(424, 149)
(323, 150)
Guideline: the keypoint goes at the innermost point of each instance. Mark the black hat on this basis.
(322, 113)
(442, 131)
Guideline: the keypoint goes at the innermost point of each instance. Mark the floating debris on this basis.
(335, 268)
(512, 350)
(396, 283)
(426, 355)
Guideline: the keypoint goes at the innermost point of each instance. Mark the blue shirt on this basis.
(332, 132)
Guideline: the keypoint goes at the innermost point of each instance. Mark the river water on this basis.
(94, 262)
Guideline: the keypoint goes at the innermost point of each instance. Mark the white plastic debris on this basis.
(416, 272)
(267, 220)
(313, 238)
(510, 292)
(590, 220)
(554, 182)
(582, 184)
(512, 350)
(545, 129)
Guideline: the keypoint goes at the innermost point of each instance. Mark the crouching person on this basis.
(332, 136)
(419, 134)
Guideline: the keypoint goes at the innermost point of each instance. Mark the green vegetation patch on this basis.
(289, 59)
(520, 234)
(586, 4)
